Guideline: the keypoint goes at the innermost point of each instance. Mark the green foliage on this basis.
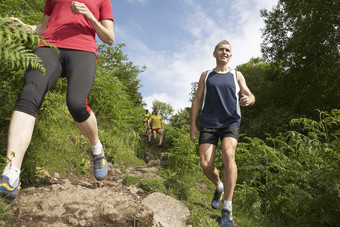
(117, 64)
(152, 184)
(29, 11)
(131, 180)
(111, 96)
(10, 86)
(174, 184)
(16, 45)
(280, 180)
(115, 110)
(303, 38)
(270, 113)
(292, 174)
(183, 156)
(120, 146)
(4, 214)
(110, 102)
(302, 34)
(181, 120)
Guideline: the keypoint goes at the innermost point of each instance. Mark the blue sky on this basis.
(175, 39)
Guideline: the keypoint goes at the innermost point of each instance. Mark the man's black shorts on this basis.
(211, 135)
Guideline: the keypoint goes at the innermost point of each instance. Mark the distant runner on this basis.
(220, 119)
(157, 126)
(71, 26)
(145, 118)
(150, 128)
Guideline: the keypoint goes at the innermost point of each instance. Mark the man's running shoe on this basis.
(8, 191)
(227, 218)
(100, 166)
(218, 198)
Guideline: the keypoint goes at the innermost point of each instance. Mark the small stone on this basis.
(82, 223)
(118, 171)
(88, 215)
(73, 221)
(74, 207)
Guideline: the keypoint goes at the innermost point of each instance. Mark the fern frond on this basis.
(17, 44)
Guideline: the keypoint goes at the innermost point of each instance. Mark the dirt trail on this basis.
(81, 202)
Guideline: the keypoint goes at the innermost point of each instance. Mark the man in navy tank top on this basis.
(220, 119)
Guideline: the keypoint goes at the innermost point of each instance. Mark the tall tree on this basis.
(118, 64)
(303, 37)
(181, 119)
(165, 109)
(271, 113)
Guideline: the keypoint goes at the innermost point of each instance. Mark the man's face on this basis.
(223, 53)
(156, 111)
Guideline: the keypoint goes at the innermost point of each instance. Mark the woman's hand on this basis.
(81, 8)
(22, 26)
(104, 29)
(14, 19)
(40, 28)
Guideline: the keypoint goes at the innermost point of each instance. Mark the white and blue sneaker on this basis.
(100, 166)
(8, 191)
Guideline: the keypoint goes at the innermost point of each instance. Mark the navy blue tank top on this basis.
(221, 107)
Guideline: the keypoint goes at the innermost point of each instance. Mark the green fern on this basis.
(17, 44)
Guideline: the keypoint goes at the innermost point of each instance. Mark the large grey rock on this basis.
(168, 212)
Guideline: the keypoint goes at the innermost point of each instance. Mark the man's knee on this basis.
(228, 150)
(206, 166)
(228, 158)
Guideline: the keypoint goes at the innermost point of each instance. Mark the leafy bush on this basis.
(183, 156)
(293, 174)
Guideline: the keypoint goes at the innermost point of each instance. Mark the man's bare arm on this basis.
(195, 107)
(247, 98)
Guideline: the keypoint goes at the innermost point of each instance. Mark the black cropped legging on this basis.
(79, 68)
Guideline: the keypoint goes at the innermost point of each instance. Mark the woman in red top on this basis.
(71, 26)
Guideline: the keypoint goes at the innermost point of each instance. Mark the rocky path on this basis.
(86, 202)
(80, 202)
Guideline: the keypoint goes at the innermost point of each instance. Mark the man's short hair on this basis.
(222, 42)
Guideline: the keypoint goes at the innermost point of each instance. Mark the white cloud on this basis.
(142, 2)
